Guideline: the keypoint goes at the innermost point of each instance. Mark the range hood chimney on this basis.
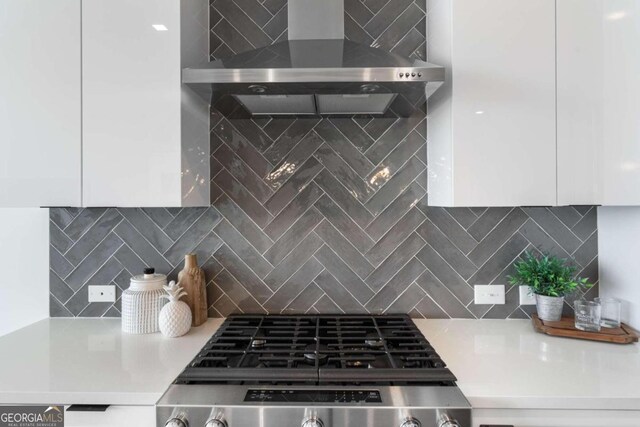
(316, 72)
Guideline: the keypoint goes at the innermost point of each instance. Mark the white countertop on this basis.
(506, 364)
(498, 363)
(89, 361)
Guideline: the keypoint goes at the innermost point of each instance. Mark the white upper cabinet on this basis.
(145, 137)
(598, 102)
(491, 127)
(40, 103)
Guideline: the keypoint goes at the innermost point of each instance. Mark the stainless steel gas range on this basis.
(315, 371)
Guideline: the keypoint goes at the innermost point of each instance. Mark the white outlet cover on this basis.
(488, 294)
(102, 293)
(526, 296)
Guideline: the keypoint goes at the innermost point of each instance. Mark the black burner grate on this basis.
(339, 350)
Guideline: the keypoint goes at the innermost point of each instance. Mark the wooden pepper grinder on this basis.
(191, 279)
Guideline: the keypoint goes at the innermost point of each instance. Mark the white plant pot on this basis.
(549, 308)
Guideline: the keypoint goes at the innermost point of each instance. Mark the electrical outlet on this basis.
(488, 294)
(102, 293)
(526, 296)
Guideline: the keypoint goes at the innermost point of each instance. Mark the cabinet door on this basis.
(131, 102)
(40, 116)
(113, 416)
(598, 102)
(503, 77)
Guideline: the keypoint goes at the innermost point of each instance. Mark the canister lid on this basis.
(149, 281)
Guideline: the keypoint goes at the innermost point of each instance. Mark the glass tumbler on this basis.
(610, 312)
(587, 315)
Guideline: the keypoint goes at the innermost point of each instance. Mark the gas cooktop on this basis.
(388, 350)
(315, 371)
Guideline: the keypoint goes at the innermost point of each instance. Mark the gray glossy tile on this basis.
(182, 221)
(343, 198)
(293, 286)
(407, 300)
(395, 186)
(344, 148)
(289, 139)
(343, 223)
(341, 297)
(398, 258)
(142, 248)
(304, 300)
(243, 274)
(355, 185)
(243, 198)
(395, 236)
(293, 261)
(94, 235)
(293, 186)
(97, 257)
(441, 270)
(441, 295)
(82, 222)
(391, 138)
(245, 225)
(446, 249)
(395, 211)
(552, 225)
(238, 244)
(303, 201)
(400, 281)
(359, 139)
(345, 250)
(58, 239)
(292, 237)
(293, 161)
(343, 274)
(243, 173)
(499, 260)
(237, 293)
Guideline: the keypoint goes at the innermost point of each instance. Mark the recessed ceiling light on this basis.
(159, 27)
(479, 112)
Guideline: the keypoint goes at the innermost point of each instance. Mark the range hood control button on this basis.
(413, 74)
(419, 74)
(401, 74)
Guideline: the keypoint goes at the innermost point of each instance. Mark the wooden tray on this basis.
(566, 328)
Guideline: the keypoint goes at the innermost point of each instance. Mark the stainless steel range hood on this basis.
(316, 76)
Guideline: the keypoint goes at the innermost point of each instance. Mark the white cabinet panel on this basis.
(492, 126)
(555, 418)
(40, 117)
(131, 103)
(598, 102)
(120, 416)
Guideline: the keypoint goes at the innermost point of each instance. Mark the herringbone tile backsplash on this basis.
(317, 215)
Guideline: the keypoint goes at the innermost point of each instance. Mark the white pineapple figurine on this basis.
(175, 316)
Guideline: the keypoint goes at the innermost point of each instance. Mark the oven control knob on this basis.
(312, 422)
(178, 421)
(216, 422)
(410, 422)
(446, 421)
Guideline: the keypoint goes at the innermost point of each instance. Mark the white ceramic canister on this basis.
(141, 303)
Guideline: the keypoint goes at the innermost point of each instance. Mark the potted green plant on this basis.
(550, 279)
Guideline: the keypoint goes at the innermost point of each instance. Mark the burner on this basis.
(311, 356)
(258, 343)
(372, 340)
